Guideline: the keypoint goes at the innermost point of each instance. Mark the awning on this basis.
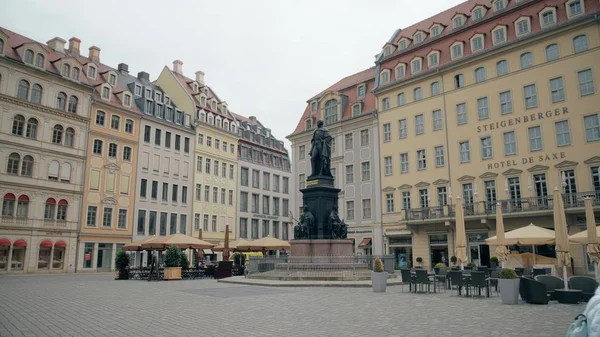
(364, 243)
(398, 233)
(46, 244)
(20, 243)
(60, 244)
(207, 251)
(4, 242)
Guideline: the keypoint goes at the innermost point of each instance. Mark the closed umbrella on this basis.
(461, 236)
(226, 244)
(501, 249)
(590, 236)
(562, 239)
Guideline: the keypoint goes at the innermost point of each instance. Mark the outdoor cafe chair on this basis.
(422, 278)
(551, 283)
(407, 278)
(441, 278)
(586, 284)
(457, 280)
(478, 280)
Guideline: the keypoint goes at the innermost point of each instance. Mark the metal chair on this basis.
(441, 278)
(406, 278)
(422, 278)
(478, 280)
(457, 280)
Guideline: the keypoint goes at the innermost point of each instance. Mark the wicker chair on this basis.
(534, 291)
(586, 284)
(551, 282)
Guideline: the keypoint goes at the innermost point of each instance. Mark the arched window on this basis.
(27, 166)
(39, 60)
(8, 204)
(28, 58)
(552, 52)
(57, 134)
(22, 206)
(65, 172)
(62, 210)
(66, 70)
(32, 125)
(61, 101)
(502, 67)
(331, 111)
(36, 94)
(580, 43)
(210, 119)
(53, 170)
(69, 137)
(18, 124)
(72, 104)
(49, 209)
(23, 90)
(13, 163)
(526, 60)
(75, 73)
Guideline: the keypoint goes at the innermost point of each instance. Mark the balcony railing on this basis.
(8, 220)
(436, 212)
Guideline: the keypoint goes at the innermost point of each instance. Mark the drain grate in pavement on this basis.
(237, 291)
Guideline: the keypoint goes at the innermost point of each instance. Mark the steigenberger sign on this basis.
(522, 119)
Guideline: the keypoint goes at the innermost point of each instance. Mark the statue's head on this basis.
(319, 123)
(306, 208)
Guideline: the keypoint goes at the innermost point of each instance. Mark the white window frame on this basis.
(593, 86)
(520, 20)
(433, 52)
(536, 142)
(543, 12)
(473, 39)
(568, 4)
(417, 35)
(498, 5)
(494, 37)
(400, 66)
(432, 30)
(511, 143)
(416, 65)
(560, 91)
(483, 12)
(403, 43)
(564, 134)
(404, 163)
(386, 79)
(455, 24)
(387, 165)
(461, 46)
(487, 151)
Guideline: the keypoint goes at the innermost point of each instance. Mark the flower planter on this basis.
(509, 290)
(122, 274)
(379, 281)
(172, 273)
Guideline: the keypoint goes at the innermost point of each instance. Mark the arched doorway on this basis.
(58, 260)
(4, 253)
(17, 261)
(44, 255)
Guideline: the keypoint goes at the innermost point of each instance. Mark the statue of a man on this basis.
(307, 220)
(320, 152)
(336, 225)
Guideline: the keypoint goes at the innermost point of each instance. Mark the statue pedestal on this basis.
(322, 250)
(320, 196)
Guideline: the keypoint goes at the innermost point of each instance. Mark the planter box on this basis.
(122, 274)
(509, 290)
(172, 273)
(379, 281)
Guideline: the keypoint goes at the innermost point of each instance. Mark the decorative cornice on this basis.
(488, 175)
(42, 108)
(422, 184)
(593, 160)
(109, 201)
(388, 189)
(441, 182)
(47, 151)
(511, 172)
(565, 164)
(538, 168)
(466, 178)
(404, 187)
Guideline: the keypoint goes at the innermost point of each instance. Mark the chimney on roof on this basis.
(94, 54)
(200, 77)
(123, 68)
(57, 44)
(178, 67)
(142, 75)
(74, 44)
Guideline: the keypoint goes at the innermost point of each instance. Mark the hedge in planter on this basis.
(379, 277)
(508, 282)
(121, 264)
(173, 263)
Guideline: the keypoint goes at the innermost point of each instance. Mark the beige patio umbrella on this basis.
(232, 246)
(136, 246)
(180, 240)
(562, 238)
(501, 250)
(461, 236)
(266, 243)
(590, 236)
(530, 235)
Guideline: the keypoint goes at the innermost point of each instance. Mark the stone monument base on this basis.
(323, 248)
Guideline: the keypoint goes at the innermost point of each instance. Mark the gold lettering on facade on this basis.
(527, 160)
(522, 119)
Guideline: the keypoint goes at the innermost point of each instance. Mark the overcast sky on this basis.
(265, 58)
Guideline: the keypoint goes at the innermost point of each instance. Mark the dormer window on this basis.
(574, 8)
(210, 119)
(523, 26)
(477, 43)
(356, 110)
(138, 90)
(400, 71)
(416, 65)
(403, 44)
(214, 105)
(39, 60)
(158, 96)
(127, 100)
(361, 90)
(548, 17)
(387, 51)
(313, 107)
(167, 100)
(418, 37)
(457, 50)
(112, 79)
(1, 46)
(203, 100)
(478, 13)
(499, 35)
(105, 92)
(435, 30)
(499, 5)
(66, 70)
(148, 93)
(91, 72)
(458, 21)
(331, 111)
(309, 124)
(195, 86)
(28, 57)
(75, 73)
(433, 59)
(385, 76)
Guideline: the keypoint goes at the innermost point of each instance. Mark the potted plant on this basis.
(173, 264)
(121, 264)
(453, 259)
(379, 277)
(184, 261)
(508, 282)
(470, 265)
(439, 266)
(420, 261)
(494, 262)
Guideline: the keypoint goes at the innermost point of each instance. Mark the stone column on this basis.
(95, 256)
(113, 255)
(51, 257)
(10, 253)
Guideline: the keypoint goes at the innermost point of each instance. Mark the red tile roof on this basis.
(346, 86)
(530, 8)
(186, 82)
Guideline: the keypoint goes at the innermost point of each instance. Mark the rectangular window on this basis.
(302, 181)
(385, 104)
(147, 131)
(186, 145)
(442, 196)
(366, 208)
(349, 210)
(92, 212)
(163, 223)
(177, 142)
(439, 156)
(184, 195)
(215, 197)
(401, 99)
(403, 128)
(366, 171)
(403, 162)
(265, 228)
(143, 188)
(255, 179)
(157, 133)
(557, 89)
(266, 181)
(223, 191)
(424, 198)
(198, 192)
(461, 113)
(286, 185)
(389, 201)
(165, 192)
(364, 138)
(592, 127)
(535, 138)
(168, 140)
(486, 147)
(586, 82)
(482, 108)
(505, 102)
(437, 120)
(421, 160)
(510, 143)
(419, 124)
(465, 152)
(530, 93)
(406, 200)
(348, 141)
(388, 165)
(141, 225)
(563, 134)
(107, 214)
(174, 193)
(122, 220)
(349, 174)
(154, 191)
(173, 224)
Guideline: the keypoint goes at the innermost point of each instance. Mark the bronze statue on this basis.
(304, 227)
(337, 226)
(320, 152)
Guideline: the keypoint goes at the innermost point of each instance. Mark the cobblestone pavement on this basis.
(97, 305)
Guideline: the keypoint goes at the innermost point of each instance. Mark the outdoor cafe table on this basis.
(466, 274)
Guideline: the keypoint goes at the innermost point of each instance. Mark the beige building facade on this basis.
(501, 107)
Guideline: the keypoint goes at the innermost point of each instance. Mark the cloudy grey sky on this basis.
(264, 57)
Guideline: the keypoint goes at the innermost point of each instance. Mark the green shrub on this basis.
(239, 259)
(378, 266)
(453, 259)
(419, 259)
(440, 266)
(471, 264)
(183, 260)
(173, 257)
(122, 260)
(506, 273)
(494, 260)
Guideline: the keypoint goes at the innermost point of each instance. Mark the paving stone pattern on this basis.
(97, 305)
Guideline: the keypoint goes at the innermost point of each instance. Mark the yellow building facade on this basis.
(504, 112)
